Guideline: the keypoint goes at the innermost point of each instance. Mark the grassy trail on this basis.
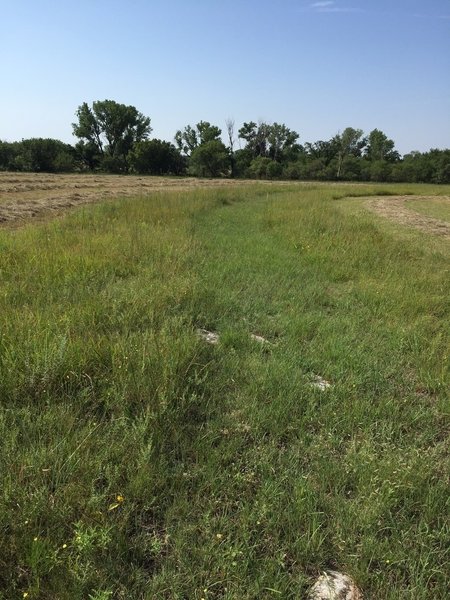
(143, 463)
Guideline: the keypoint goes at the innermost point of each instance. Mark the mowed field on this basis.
(27, 195)
(141, 461)
(24, 196)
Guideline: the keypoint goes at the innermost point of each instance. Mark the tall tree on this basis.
(380, 147)
(268, 140)
(281, 140)
(112, 128)
(208, 132)
(88, 128)
(323, 150)
(255, 136)
(186, 140)
(230, 132)
(349, 143)
(190, 138)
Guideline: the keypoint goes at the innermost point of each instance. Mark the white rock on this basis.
(333, 585)
(259, 338)
(209, 336)
(320, 383)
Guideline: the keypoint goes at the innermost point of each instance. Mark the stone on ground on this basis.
(320, 383)
(333, 585)
(209, 336)
(259, 338)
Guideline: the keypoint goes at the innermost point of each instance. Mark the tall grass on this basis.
(140, 462)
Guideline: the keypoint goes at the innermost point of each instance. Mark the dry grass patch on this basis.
(27, 195)
(436, 207)
(414, 212)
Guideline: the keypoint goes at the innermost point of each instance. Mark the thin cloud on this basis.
(330, 6)
(323, 4)
(343, 9)
(429, 16)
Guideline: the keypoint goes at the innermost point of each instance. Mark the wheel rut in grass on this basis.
(394, 208)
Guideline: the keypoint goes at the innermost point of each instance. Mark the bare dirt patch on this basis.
(395, 209)
(27, 195)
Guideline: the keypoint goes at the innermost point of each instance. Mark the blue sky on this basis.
(317, 66)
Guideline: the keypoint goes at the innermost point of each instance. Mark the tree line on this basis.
(116, 138)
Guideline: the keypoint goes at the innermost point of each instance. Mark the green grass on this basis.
(437, 208)
(140, 462)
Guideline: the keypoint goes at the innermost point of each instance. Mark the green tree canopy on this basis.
(255, 136)
(281, 141)
(38, 155)
(210, 159)
(156, 157)
(380, 147)
(190, 138)
(111, 128)
(348, 143)
(275, 141)
(323, 150)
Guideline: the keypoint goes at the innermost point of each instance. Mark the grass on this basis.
(142, 463)
(438, 208)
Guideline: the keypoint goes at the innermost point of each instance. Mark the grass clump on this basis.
(141, 462)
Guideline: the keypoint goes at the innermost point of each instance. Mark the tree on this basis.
(210, 159)
(424, 167)
(111, 128)
(317, 168)
(255, 137)
(281, 140)
(186, 140)
(208, 132)
(8, 153)
(191, 138)
(242, 160)
(43, 155)
(275, 141)
(440, 160)
(156, 157)
(380, 147)
(207, 154)
(349, 143)
(274, 169)
(351, 168)
(380, 170)
(259, 167)
(88, 155)
(230, 131)
(324, 150)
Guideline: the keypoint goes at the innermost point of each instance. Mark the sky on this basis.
(317, 66)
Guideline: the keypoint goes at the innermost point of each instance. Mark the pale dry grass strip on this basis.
(394, 208)
(27, 195)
